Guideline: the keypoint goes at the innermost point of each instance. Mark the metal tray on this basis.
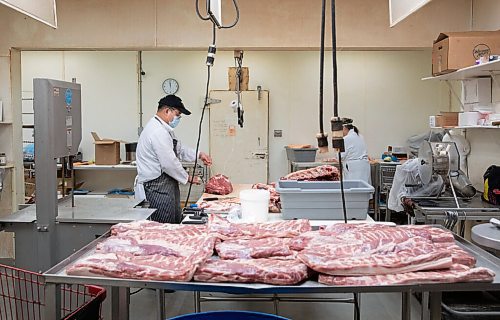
(57, 274)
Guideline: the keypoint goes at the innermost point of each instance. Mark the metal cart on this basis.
(385, 178)
(22, 296)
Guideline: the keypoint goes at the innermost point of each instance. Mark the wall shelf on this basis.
(482, 70)
(468, 127)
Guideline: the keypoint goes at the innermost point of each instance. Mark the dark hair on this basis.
(350, 126)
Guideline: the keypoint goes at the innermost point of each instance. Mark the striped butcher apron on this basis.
(163, 194)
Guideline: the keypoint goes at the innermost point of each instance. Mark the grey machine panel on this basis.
(58, 132)
(57, 106)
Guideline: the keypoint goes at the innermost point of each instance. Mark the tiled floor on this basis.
(380, 306)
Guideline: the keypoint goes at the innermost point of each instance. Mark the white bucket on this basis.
(254, 205)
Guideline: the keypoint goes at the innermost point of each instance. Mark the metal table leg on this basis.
(406, 305)
(435, 305)
(160, 300)
(52, 301)
(275, 303)
(197, 302)
(425, 306)
(357, 311)
(120, 301)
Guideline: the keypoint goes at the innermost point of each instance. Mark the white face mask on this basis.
(175, 122)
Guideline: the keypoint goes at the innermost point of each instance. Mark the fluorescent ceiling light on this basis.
(401, 9)
(41, 10)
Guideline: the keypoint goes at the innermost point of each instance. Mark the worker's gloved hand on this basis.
(194, 179)
(207, 160)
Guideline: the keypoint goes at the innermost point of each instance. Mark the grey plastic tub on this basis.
(301, 154)
(322, 200)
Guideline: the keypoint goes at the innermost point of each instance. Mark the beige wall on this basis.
(382, 91)
(486, 15)
(173, 24)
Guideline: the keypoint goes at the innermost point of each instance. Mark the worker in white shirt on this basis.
(355, 158)
(158, 157)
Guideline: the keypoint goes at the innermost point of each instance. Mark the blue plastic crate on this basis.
(229, 315)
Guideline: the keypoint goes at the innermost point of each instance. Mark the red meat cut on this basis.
(255, 248)
(457, 273)
(278, 272)
(321, 173)
(225, 230)
(219, 184)
(274, 200)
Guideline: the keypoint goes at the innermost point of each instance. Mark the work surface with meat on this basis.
(281, 253)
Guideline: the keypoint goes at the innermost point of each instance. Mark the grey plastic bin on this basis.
(322, 200)
(301, 154)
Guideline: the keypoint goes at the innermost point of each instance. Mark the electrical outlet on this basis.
(278, 133)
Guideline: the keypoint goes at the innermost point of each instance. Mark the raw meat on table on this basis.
(278, 272)
(370, 249)
(411, 255)
(220, 206)
(255, 248)
(274, 200)
(223, 229)
(196, 248)
(457, 273)
(147, 226)
(219, 184)
(320, 173)
(126, 265)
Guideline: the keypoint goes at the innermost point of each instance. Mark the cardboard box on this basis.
(448, 119)
(243, 80)
(107, 151)
(457, 50)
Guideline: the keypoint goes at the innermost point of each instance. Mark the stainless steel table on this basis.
(120, 287)
(486, 235)
(428, 209)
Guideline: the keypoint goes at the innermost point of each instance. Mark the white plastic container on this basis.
(254, 205)
(466, 119)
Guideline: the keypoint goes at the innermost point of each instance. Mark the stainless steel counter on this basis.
(427, 209)
(88, 210)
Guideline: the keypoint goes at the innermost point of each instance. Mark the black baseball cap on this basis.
(173, 101)
(347, 121)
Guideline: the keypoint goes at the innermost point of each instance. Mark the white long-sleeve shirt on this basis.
(155, 153)
(355, 147)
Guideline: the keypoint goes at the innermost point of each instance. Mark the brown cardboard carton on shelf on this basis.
(449, 119)
(439, 120)
(456, 50)
(243, 79)
(107, 151)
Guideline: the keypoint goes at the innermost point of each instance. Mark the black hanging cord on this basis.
(200, 125)
(238, 63)
(334, 62)
(322, 65)
(336, 101)
(336, 113)
(237, 16)
(207, 17)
